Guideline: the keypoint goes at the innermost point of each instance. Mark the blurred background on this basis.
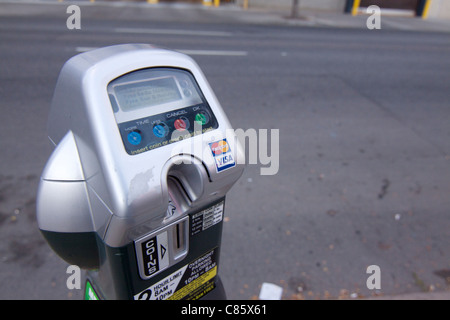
(363, 118)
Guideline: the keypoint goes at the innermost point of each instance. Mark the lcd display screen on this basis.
(135, 95)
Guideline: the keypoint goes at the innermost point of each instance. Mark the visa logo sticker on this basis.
(222, 155)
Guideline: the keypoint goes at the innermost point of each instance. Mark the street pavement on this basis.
(229, 13)
(364, 147)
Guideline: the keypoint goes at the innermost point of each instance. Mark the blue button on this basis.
(134, 138)
(159, 131)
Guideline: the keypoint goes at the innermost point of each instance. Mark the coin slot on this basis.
(178, 236)
(180, 239)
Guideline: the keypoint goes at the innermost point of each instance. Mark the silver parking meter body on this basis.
(135, 188)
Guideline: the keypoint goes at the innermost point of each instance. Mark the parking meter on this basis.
(135, 188)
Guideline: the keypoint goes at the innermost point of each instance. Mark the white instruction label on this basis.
(207, 218)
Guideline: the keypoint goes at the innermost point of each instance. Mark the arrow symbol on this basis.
(163, 251)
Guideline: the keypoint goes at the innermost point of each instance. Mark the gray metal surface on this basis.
(133, 189)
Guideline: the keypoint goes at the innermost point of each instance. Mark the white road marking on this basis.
(175, 32)
(189, 52)
(84, 49)
(212, 52)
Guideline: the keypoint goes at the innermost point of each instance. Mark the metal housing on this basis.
(90, 184)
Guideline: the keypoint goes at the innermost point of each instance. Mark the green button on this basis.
(200, 118)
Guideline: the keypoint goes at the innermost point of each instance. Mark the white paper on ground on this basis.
(270, 291)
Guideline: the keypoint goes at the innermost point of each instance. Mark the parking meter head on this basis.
(140, 141)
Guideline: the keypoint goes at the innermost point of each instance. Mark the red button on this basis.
(180, 124)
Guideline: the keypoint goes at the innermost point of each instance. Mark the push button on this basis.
(202, 118)
(181, 124)
(135, 137)
(159, 131)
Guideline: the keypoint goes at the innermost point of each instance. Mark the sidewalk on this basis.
(388, 22)
(231, 13)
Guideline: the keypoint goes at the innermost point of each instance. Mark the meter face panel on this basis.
(155, 107)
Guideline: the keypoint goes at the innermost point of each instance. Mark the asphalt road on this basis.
(364, 147)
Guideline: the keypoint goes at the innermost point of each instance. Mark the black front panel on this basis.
(155, 107)
(194, 277)
(160, 130)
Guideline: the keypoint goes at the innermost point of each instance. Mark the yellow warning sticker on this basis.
(190, 282)
(196, 289)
